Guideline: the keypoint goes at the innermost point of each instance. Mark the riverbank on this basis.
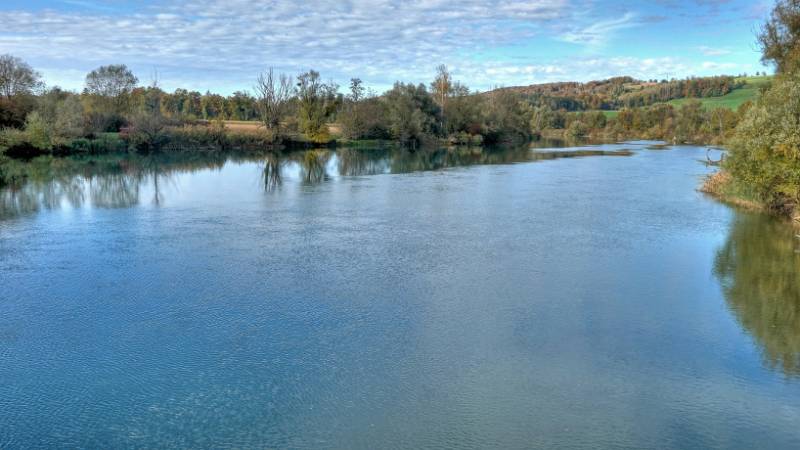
(722, 186)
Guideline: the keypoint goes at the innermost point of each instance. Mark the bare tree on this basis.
(17, 77)
(442, 88)
(273, 95)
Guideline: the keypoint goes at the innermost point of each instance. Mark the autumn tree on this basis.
(780, 36)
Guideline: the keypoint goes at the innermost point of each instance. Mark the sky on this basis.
(222, 45)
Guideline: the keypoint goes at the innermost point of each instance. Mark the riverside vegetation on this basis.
(114, 113)
(756, 118)
(763, 166)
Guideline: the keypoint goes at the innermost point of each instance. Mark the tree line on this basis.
(115, 112)
(624, 92)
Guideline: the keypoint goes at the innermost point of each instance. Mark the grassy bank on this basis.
(733, 100)
(723, 187)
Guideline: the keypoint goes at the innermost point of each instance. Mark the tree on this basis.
(112, 85)
(62, 111)
(766, 147)
(411, 112)
(541, 119)
(18, 83)
(780, 36)
(273, 95)
(148, 124)
(356, 90)
(37, 132)
(465, 112)
(241, 106)
(111, 81)
(311, 93)
(17, 77)
(441, 88)
(350, 118)
(508, 116)
(69, 118)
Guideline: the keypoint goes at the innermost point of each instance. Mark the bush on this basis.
(577, 129)
(765, 152)
(11, 137)
(102, 144)
(37, 132)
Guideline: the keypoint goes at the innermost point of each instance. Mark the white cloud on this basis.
(240, 37)
(220, 45)
(711, 65)
(710, 51)
(600, 32)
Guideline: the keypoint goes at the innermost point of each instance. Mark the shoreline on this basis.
(720, 186)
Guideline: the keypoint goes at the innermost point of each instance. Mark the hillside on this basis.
(626, 92)
(748, 92)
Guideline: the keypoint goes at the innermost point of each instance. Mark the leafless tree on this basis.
(273, 95)
(17, 77)
(442, 88)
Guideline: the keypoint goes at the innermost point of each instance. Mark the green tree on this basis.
(411, 112)
(312, 113)
(37, 132)
(112, 84)
(780, 36)
(765, 152)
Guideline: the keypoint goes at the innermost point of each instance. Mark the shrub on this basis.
(37, 132)
(577, 129)
(765, 152)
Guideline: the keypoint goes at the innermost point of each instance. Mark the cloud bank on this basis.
(222, 44)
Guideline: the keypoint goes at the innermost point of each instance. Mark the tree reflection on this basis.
(272, 172)
(357, 162)
(759, 268)
(118, 181)
(314, 165)
(111, 182)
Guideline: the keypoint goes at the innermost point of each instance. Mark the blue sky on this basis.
(221, 45)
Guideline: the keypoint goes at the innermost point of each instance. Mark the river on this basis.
(566, 297)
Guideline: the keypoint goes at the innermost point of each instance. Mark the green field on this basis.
(734, 99)
(731, 101)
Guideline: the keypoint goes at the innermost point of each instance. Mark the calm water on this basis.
(374, 299)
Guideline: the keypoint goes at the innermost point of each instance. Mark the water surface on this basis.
(518, 298)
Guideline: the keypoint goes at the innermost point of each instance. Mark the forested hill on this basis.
(624, 92)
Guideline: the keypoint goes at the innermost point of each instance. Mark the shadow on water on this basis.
(121, 181)
(759, 269)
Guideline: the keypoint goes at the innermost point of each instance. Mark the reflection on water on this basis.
(118, 183)
(313, 165)
(490, 307)
(759, 268)
(272, 172)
